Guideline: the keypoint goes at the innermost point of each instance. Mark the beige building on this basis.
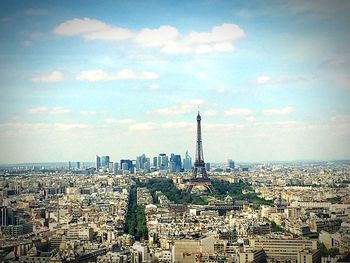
(257, 256)
(336, 240)
(80, 233)
(283, 249)
(185, 250)
(309, 256)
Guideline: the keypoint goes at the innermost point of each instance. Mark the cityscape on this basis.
(159, 131)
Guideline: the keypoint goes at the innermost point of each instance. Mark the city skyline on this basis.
(121, 78)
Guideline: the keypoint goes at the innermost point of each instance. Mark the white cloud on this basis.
(262, 80)
(336, 62)
(52, 111)
(92, 29)
(98, 75)
(132, 125)
(178, 125)
(219, 39)
(341, 118)
(41, 127)
(156, 37)
(202, 49)
(80, 26)
(115, 34)
(181, 108)
(219, 34)
(266, 80)
(121, 121)
(176, 48)
(36, 12)
(210, 113)
(250, 119)
(110, 121)
(38, 110)
(52, 77)
(142, 126)
(340, 124)
(154, 86)
(68, 126)
(238, 112)
(172, 111)
(126, 121)
(180, 48)
(88, 113)
(166, 38)
(220, 90)
(223, 47)
(283, 111)
(59, 110)
(224, 126)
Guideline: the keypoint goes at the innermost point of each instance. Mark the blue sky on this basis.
(80, 78)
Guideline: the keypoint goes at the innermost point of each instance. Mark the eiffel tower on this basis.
(199, 177)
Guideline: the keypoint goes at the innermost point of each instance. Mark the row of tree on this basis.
(135, 219)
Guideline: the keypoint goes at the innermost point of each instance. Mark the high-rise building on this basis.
(175, 163)
(69, 165)
(98, 162)
(231, 164)
(105, 162)
(78, 165)
(163, 161)
(110, 167)
(126, 164)
(207, 166)
(187, 162)
(140, 162)
(115, 168)
(125, 167)
(3, 216)
(155, 162)
(147, 164)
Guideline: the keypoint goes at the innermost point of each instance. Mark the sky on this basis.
(271, 79)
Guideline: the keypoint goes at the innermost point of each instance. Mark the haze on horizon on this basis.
(122, 78)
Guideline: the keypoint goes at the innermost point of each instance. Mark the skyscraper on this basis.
(187, 162)
(207, 167)
(105, 162)
(175, 163)
(163, 161)
(110, 167)
(98, 162)
(147, 165)
(231, 164)
(115, 168)
(126, 164)
(155, 162)
(3, 216)
(140, 162)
